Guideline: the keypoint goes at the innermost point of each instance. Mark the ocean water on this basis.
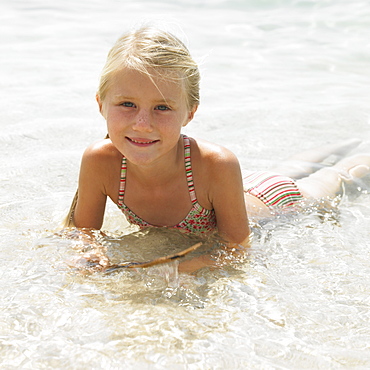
(278, 76)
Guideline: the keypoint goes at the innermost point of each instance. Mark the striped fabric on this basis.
(188, 170)
(198, 220)
(272, 189)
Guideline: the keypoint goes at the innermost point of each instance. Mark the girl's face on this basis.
(144, 116)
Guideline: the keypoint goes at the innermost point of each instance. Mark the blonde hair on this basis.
(152, 49)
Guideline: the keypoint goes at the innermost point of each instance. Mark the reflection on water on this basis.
(278, 76)
(301, 297)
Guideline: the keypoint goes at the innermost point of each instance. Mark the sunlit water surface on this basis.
(278, 77)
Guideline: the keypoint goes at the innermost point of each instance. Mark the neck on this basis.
(162, 171)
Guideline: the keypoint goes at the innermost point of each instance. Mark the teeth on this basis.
(142, 142)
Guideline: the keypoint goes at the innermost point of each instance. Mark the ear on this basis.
(191, 115)
(100, 103)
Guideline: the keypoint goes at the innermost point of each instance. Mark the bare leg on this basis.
(309, 161)
(328, 180)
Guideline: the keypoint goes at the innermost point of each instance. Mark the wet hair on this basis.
(149, 50)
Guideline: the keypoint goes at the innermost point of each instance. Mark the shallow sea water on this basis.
(278, 77)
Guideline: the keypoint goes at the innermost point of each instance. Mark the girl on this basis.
(149, 90)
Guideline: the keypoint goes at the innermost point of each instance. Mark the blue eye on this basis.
(128, 104)
(162, 107)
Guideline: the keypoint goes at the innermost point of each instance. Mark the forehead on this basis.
(129, 82)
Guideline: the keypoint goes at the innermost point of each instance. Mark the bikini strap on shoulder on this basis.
(122, 184)
(188, 169)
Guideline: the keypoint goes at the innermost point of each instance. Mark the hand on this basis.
(197, 263)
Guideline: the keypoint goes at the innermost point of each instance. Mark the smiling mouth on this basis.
(141, 141)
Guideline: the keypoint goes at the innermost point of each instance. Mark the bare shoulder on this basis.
(102, 150)
(216, 172)
(101, 160)
(101, 156)
(213, 157)
(100, 169)
(219, 186)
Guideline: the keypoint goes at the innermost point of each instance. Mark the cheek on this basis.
(117, 118)
(173, 121)
(114, 124)
(170, 125)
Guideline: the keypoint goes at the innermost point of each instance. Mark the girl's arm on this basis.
(226, 195)
(90, 207)
(227, 198)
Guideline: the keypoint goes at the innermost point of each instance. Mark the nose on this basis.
(143, 121)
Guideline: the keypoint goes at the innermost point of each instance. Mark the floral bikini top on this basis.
(198, 220)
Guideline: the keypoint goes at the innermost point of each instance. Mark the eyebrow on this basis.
(167, 101)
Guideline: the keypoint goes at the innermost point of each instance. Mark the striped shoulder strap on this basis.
(122, 184)
(188, 169)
